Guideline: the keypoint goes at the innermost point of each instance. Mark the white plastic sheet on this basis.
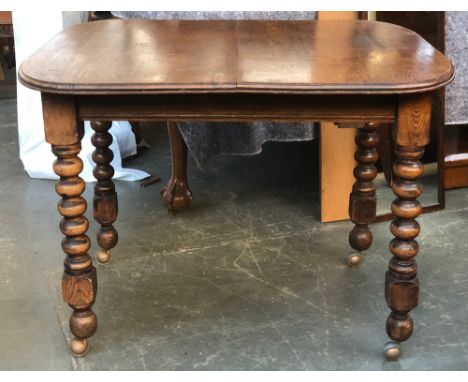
(32, 30)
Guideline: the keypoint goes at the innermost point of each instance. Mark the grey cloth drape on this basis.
(456, 47)
(206, 140)
(209, 15)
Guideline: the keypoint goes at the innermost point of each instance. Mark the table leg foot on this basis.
(392, 351)
(362, 201)
(79, 347)
(105, 197)
(79, 281)
(103, 256)
(354, 259)
(401, 284)
(176, 194)
(83, 324)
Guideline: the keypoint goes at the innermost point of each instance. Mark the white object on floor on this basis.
(32, 30)
(38, 159)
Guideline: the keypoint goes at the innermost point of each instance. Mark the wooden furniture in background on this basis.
(7, 56)
(456, 157)
(355, 71)
(176, 192)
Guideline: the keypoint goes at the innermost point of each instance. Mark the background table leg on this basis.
(105, 197)
(176, 193)
(79, 283)
(362, 201)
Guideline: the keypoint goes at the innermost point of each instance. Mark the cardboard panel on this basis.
(5, 17)
(337, 149)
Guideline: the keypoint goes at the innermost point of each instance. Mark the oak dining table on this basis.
(353, 73)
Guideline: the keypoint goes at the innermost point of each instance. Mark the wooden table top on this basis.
(314, 57)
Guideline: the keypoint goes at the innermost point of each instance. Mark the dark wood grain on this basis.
(60, 117)
(145, 55)
(414, 117)
(154, 56)
(238, 107)
(342, 56)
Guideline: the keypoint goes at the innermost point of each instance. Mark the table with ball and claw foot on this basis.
(354, 73)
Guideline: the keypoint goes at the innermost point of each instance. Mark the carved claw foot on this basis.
(176, 195)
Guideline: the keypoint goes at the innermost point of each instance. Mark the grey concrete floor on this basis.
(246, 279)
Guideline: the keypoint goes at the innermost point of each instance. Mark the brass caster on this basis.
(392, 351)
(354, 259)
(103, 256)
(79, 347)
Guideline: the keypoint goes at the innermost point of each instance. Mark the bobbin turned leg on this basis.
(402, 286)
(362, 201)
(79, 283)
(176, 193)
(105, 197)
(401, 282)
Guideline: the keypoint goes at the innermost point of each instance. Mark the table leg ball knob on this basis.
(392, 351)
(354, 259)
(103, 256)
(79, 347)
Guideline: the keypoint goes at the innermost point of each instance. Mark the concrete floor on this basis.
(246, 279)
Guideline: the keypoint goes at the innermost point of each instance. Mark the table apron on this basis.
(238, 107)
